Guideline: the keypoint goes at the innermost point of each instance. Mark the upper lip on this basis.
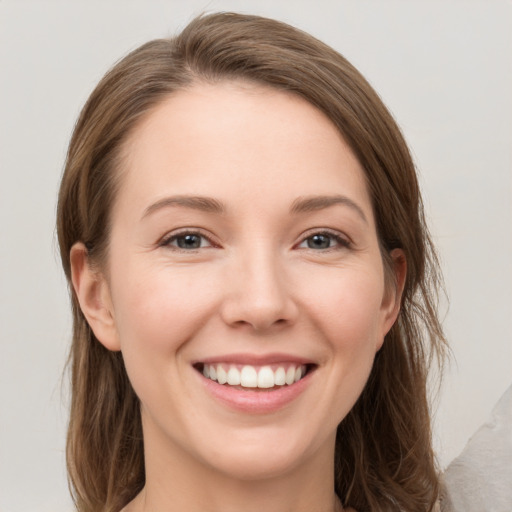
(255, 359)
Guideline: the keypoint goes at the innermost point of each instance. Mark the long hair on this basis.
(384, 459)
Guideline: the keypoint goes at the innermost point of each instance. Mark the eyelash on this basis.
(340, 241)
(173, 237)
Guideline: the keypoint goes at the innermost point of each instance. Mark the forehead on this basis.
(238, 140)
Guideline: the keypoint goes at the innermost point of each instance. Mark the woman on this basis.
(253, 283)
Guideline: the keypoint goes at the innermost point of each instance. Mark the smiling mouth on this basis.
(246, 376)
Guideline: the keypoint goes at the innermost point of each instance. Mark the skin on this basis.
(256, 285)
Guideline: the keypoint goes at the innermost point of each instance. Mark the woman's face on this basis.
(243, 247)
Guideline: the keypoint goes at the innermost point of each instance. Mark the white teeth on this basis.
(266, 377)
(233, 376)
(222, 376)
(249, 377)
(290, 375)
(280, 377)
(254, 377)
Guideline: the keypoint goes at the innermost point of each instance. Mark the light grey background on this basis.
(444, 68)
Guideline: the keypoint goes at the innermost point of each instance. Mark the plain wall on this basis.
(444, 69)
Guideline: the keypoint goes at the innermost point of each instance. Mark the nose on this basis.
(258, 294)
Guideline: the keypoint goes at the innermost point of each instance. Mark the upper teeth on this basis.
(254, 377)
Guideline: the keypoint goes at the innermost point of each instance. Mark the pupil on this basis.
(319, 242)
(189, 242)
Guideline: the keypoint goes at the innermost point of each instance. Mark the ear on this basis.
(393, 293)
(93, 294)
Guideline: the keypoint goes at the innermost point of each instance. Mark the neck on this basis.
(177, 482)
(235, 496)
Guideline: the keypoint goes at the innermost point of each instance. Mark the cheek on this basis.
(158, 310)
(157, 313)
(347, 307)
(349, 314)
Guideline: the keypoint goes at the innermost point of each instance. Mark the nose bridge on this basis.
(259, 293)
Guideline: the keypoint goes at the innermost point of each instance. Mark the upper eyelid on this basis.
(325, 231)
(185, 231)
(304, 236)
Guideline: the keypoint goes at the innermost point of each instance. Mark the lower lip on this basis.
(255, 400)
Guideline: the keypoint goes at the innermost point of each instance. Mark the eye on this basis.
(187, 241)
(324, 241)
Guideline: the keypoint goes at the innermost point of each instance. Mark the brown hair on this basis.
(384, 458)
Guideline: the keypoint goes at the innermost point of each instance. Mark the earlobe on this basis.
(93, 294)
(393, 295)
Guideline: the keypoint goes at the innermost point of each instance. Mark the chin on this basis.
(265, 455)
(253, 468)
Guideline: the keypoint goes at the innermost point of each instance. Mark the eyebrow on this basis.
(204, 204)
(314, 203)
(210, 205)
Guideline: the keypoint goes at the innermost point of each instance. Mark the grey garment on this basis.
(480, 478)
